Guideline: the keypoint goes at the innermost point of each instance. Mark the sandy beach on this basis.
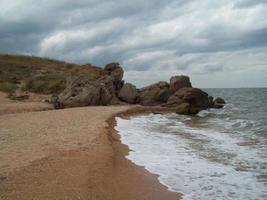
(70, 154)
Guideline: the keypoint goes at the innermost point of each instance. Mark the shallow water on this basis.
(218, 154)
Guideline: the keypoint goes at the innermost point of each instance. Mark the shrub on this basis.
(46, 84)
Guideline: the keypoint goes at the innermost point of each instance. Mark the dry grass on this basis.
(41, 75)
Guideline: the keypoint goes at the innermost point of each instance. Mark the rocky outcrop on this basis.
(155, 94)
(129, 93)
(87, 90)
(178, 82)
(189, 100)
(192, 100)
(90, 85)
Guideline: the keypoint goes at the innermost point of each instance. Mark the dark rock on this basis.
(219, 102)
(189, 100)
(155, 94)
(211, 100)
(178, 82)
(128, 93)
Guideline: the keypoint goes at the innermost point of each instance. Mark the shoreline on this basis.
(96, 169)
(150, 187)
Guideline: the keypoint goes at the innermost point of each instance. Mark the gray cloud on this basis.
(151, 37)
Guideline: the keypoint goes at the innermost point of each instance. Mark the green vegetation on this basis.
(40, 75)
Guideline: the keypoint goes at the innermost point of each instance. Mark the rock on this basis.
(91, 85)
(128, 93)
(115, 72)
(173, 101)
(189, 100)
(211, 100)
(178, 82)
(183, 108)
(219, 102)
(95, 88)
(84, 92)
(55, 101)
(155, 94)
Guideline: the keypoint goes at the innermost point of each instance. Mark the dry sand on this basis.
(8, 106)
(70, 154)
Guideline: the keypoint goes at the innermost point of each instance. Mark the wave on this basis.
(197, 156)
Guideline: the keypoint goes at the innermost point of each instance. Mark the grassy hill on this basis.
(38, 75)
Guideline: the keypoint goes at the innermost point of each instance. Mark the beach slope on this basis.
(70, 154)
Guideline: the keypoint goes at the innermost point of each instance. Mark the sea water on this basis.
(218, 154)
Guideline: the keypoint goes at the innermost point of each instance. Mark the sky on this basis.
(218, 43)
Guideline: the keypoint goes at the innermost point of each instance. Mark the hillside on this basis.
(38, 75)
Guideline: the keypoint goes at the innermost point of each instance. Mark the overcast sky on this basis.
(218, 43)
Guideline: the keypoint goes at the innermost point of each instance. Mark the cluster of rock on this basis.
(110, 89)
(86, 90)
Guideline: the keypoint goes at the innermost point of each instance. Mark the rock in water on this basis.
(178, 82)
(155, 94)
(219, 102)
(128, 93)
(189, 100)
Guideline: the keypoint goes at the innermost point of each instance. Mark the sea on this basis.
(217, 154)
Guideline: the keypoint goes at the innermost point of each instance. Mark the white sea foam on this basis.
(201, 163)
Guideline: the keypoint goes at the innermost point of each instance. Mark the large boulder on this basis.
(189, 100)
(84, 93)
(85, 90)
(155, 94)
(178, 82)
(128, 93)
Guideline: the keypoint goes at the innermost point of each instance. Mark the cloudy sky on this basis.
(218, 43)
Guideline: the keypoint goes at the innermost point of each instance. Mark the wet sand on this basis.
(71, 154)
